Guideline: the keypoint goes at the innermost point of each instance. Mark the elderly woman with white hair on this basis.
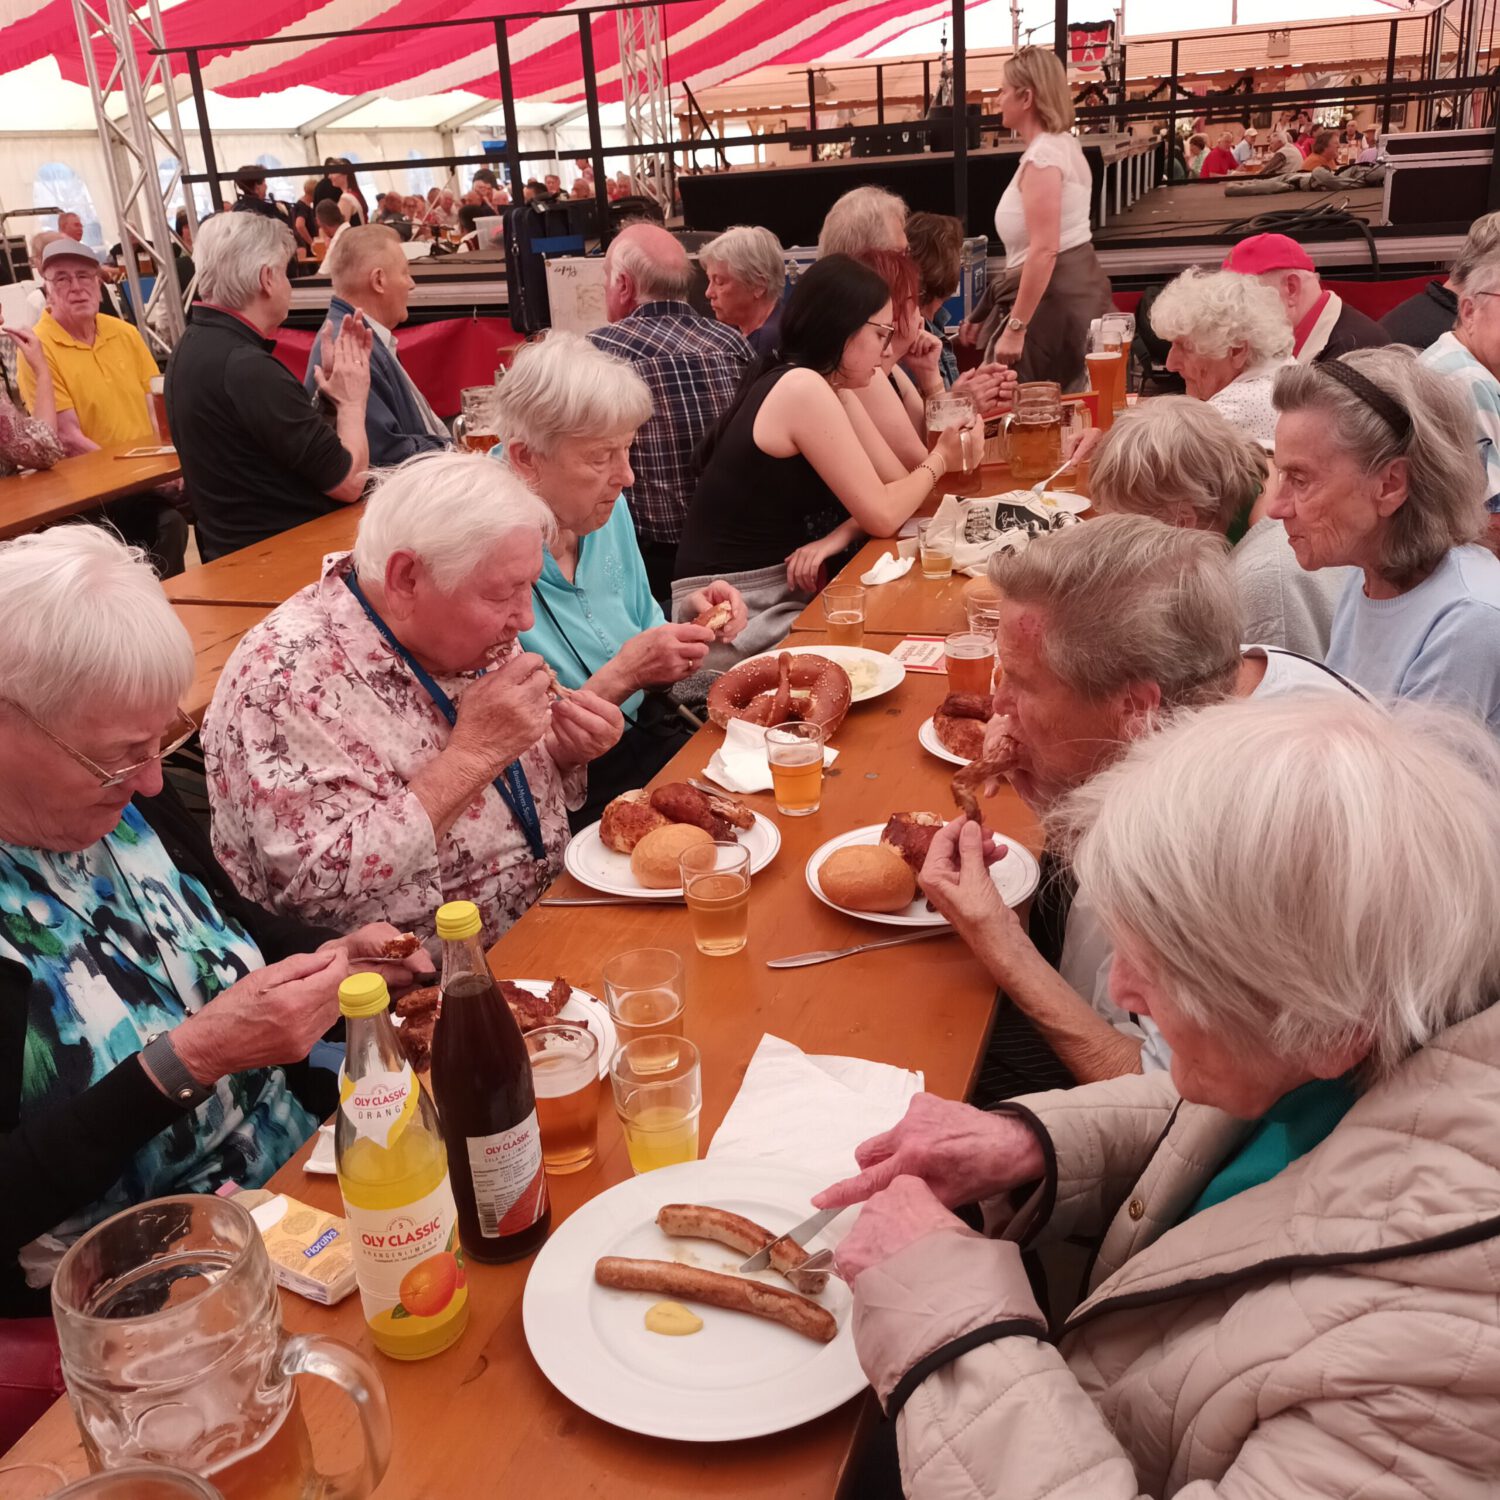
(1294, 1288)
(380, 742)
(568, 414)
(156, 1025)
(1379, 473)
(1180, 461)
(746, 270)
(1229, 338)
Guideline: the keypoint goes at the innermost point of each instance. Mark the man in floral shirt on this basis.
(379, 744)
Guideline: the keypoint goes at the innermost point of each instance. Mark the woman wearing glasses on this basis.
(790, 459)
(154, 1026)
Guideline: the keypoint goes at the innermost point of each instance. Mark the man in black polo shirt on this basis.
(252, 195)
(257, 454)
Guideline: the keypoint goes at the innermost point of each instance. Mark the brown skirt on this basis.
(1056, 341)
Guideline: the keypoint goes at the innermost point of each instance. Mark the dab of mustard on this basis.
(672, 1319)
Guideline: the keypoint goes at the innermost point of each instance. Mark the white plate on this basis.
(889, 672)
(1065, 500)
(587, 858)
(739, 1376)
(1015, 878)
(927, 738)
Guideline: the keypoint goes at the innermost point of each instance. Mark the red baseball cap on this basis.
(1268, 252)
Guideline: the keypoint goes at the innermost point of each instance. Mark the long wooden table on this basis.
(75, 485)
(480, 1420)
(215, 630)
(271, 570)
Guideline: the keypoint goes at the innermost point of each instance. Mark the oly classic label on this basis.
(510, 1185)
(379, 1105)
(408, 1261)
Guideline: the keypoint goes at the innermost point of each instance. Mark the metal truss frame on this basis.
(142, 201)
(648, 105)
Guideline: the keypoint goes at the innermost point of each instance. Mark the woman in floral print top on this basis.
(28, 442)
(339, 787)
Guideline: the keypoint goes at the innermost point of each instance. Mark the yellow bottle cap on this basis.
(363, 995)
(457, 919)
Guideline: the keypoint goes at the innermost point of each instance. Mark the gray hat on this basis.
(64, 249)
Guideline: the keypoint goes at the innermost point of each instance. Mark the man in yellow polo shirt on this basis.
(101, 374)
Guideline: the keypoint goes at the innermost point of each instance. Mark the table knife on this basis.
(799, 1235)
(827, 955)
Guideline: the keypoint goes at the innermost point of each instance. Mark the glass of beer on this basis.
(983, 612)
(935, 549)
(1104, 374)
(173, 1352)
(844, 610)
(149, 1482)
(477, 427)
(716, 884)
(971, 662)
(565, 1076)
(795, 752)
(1035, 429)
(643, 989)
(658, 1089)
(948, 410)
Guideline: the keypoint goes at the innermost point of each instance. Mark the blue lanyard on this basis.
(511, 783)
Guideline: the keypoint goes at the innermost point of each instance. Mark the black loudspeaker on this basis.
(940, 127)
(1437, 192)
(525, 271)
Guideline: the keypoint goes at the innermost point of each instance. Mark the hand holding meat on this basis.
(584, 726)
(956, 879)
(961, 1153)
(899, 1216)
(379, 948)
(709, 605)
(503, 714)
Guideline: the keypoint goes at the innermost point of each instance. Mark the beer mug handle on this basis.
(312, 1354)
(460, 430)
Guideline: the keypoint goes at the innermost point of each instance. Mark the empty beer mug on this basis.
(173, 1353)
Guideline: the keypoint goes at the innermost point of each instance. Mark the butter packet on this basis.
(310, 1250)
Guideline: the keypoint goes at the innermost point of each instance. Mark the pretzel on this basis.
(782, 689)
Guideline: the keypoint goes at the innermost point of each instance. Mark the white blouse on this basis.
(1058, 150)
(1246, 402)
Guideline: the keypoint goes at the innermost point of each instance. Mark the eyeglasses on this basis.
(171, 740)
(69, 278)
(888, 329)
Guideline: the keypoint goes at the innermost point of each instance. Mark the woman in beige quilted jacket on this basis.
(1296, 1288)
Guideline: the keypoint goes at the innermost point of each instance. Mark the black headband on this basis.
(1384, 405)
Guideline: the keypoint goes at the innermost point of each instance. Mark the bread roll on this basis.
(627, 820)
(868, 877)
(654, 860)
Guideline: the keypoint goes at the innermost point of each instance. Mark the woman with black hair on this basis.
(791, 450)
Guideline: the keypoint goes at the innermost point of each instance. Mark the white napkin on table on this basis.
(811, 1112)
(740, 764)
(888, 567)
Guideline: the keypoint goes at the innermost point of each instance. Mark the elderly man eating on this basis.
(380, 742)
(1293, 1289)
(370, 274)
(1104, 630)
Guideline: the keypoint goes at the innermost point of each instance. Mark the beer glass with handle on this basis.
(173, 1353)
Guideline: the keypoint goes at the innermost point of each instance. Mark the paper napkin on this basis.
(740, 764)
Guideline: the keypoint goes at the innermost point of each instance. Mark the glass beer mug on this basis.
(173, 1353)
(476, 428)
(1035, 430)
(948, 410)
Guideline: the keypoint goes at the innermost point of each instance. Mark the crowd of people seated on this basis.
(1244, 1040)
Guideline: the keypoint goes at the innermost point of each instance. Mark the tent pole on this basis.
(508, 105)
(596, 134)
(960, 118)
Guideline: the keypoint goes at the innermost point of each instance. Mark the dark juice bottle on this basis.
(481, 1075)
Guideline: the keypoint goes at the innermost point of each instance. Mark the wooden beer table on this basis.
(480, 1420)
(79, 484)
(272, 570)
(216, 630)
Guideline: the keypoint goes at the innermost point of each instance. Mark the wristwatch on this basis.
(159, 1058)
(1016, 325)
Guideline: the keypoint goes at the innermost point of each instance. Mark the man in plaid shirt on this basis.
(692, 366)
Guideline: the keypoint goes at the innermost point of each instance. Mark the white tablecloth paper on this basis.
(809, 1113)
(740, 764)
(887, 568)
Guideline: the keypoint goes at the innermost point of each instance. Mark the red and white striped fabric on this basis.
(708, 41)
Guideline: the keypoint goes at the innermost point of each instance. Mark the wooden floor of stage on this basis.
(1193, 210)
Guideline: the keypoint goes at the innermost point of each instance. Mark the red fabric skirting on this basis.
(441, 358)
